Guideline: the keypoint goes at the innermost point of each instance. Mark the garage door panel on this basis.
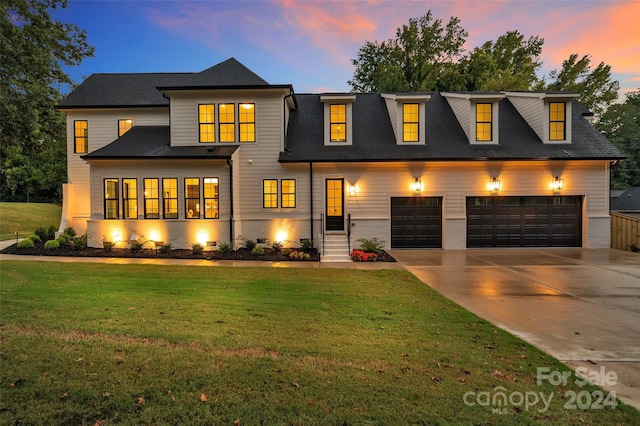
(416, 222)
(524, 221)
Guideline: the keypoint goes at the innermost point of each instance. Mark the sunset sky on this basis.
(310, 43)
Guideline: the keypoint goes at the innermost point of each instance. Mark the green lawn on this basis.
(26, 217)
(144, 344)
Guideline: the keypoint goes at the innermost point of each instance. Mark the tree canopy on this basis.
(34, 49)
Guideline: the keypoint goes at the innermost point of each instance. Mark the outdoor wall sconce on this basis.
(353, 189)
(558, 184)
(494, 185)
(417, 185)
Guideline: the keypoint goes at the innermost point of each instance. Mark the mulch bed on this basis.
(270, 255)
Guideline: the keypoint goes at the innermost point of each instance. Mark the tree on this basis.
(597, 90)
(621, 124)
(34, 48)
(509, 63)
(423, 56)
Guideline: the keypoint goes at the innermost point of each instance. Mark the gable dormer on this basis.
(407, 114)
(478, 114)
(548, 114)
(338, 118)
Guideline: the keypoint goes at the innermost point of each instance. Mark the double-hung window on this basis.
(151, 198)
(227, 119)
(210, 187)
(247, 122)
(288, 193)
(270, 193)
(207, 123)
(130, 198)
(557, 120)
(484, 122)
(410, 122)
(80, 136)
(192, 197)
(170, 198)
(338, 122)
(111, 199)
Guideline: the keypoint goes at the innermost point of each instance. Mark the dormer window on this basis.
(484, 122)
(557, 121)
(407, 112)
(124, 126)
(410, 122)
(338, 118)
(338, 122)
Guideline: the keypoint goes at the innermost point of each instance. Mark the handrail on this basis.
(322, 231)
(349, 231)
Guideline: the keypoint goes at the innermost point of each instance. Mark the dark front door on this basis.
(335, 204)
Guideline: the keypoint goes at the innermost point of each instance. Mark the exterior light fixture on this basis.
(558, 184)
(494, 185)
(417, 185)
(353, 189)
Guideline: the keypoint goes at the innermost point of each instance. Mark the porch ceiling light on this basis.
(494, 185)
(417, 185)
(558, 184)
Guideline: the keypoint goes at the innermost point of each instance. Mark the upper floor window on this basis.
(410, 122)
(557, 121)
(111, 198)
(288, 191)
(192, 197)
(484, 122)
(338, 122)
(207, 122)
(130, 198)
(170, 198)
(270, 193)
(210, 198)
(247, 122)
(80, 136)
(151, 198)
(227, 119)
(124, 125)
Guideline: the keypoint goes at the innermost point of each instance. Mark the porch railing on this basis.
(322, 231)
(349, 231)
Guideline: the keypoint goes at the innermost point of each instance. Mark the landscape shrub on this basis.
(70, 232)
(107, 246)
(258, 250)
(165, 248)
(306, 244)
(34, 238)
(197, 248)
(46, 234)
(81, 243)
(362, 256)
(135, 246)
(248, 243)
(286, 252)
(225, 247)
(277, 245)
(299, 255)
(51, 245)
(64, 240)
(26, 243)
(371, 246)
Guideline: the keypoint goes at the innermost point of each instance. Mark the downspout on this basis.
(231, 235)
(311, 197)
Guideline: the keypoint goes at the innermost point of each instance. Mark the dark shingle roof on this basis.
(143, 89)
(626, 200)
(152, 142)
(373, 138)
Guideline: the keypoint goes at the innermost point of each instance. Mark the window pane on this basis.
(111, 198)
(288, 193)
(192, 197)
(247, 122)
(270, 193)
(338, 122)
(210, 198)
(227, 118)
(151, 204)
(124, 126)
(557, 119)
(206, 120)
(410, 120)
(130, 198)
(80, 136)
(170, 198)
(484, 122)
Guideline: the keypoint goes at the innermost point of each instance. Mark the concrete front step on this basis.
(336, 249)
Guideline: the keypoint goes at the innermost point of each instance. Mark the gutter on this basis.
(230, 164)
(311, 197)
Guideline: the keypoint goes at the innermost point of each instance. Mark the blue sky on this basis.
(309, 43)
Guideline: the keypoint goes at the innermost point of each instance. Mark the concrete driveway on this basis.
(581, 306)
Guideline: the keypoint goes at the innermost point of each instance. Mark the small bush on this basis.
(286, 252)
(299, 255)
(64, 240)
(225, 247)
(306, 244)
(277, 245)
(361, 256)
(136, 247)
(70, 232)
(371, 246)
(34, 238)
(258, 250)
(165, 248)
(197, 248)
(249, 244)
(51, 245)
(46, 234)
(81, 243)
(26, 243)
(108, 246)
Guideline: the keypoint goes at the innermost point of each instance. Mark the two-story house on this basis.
(222, 154)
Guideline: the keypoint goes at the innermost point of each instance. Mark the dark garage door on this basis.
(416, 222)
(524, 222)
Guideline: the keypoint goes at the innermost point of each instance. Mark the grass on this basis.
(25, 218)
(144, 344)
